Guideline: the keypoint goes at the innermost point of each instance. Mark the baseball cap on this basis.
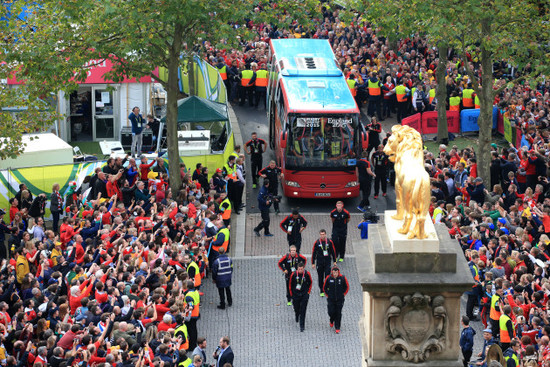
(502, 220)
(218, 170)
(494, 146)
(488, 330)
(491, 226)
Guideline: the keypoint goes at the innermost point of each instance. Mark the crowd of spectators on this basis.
(118, 283)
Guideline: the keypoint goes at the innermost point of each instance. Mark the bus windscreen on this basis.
(321, 141)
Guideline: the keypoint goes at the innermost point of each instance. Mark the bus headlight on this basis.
(351, 184)
(292, 183)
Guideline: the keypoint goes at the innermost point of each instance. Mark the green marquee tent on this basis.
(196, 109)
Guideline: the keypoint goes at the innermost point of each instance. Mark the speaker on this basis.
(126, 138)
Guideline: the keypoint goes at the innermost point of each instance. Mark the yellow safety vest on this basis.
(374, 88)
(197, 280)
(454, 104)
(432, 94)
(436, 212)
(401, 93)
(196, 303)
(351, 84)
(247, 75)
(227, 211)
(504, 336)
(225, 243)
(261, 78)
(494, 314)
(223, 72)
(467, 99)
(476, 101)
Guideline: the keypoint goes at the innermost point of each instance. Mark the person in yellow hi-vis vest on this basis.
(246, 90)
(468, 97)
(262, 79)
(496, 310)
(454, 102)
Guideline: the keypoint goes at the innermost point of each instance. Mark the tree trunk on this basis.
(441, 95)
(172, 124)
(191, 75)
(485, 120)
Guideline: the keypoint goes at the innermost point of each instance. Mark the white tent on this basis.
(45, 149)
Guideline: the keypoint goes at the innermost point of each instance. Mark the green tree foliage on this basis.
(137, 36)
(25, 108)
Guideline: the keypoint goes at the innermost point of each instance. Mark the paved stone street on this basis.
(278, 245)
(262, 327)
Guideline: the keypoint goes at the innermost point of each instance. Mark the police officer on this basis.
(222, 272)
(335, 288)
(340, 218)
(293, 225)
(365, 174)
(323, 256)
(264, 202)
(381, 163)
(299, 287)
(288, 265)
(273, 173)
(255, 147)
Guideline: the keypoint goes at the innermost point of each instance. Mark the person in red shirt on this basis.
(79, 292)
(144, 167)
(112, 185)
(13, 208)
(79, 255)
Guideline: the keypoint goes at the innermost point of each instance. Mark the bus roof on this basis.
(310, 78)
(295, 55)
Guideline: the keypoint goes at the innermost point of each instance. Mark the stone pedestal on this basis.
(411, 299)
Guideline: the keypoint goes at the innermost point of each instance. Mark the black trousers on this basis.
(256, 164)
(365, 187)
(300, 307)
(386, 108)
(380, 180)
(472, 298)
(339, 240)
(264, 224)
(295, 241)
(55, 223)
(192, 332)
(287, 279)
(260, 96)
(238, 188)
(246, 93)
(335, 312)
(401, 111)
(274, 190)
(495, 327)
(374, 107)
(466, 354)
(323, 271)
(222, 292)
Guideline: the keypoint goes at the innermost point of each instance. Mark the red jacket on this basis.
(74, 302)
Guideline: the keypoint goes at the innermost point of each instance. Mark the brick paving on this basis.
(278, 245)
(262, 327)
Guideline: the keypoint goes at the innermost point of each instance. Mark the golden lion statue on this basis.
(412, 182)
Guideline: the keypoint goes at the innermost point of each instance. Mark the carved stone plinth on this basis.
(411, 301)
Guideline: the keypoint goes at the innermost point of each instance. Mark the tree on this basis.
(397, 19)
(25, 108)
(137, 36)
(496, 31)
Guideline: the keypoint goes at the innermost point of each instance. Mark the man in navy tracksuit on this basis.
(467, 340)
(335, 288)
